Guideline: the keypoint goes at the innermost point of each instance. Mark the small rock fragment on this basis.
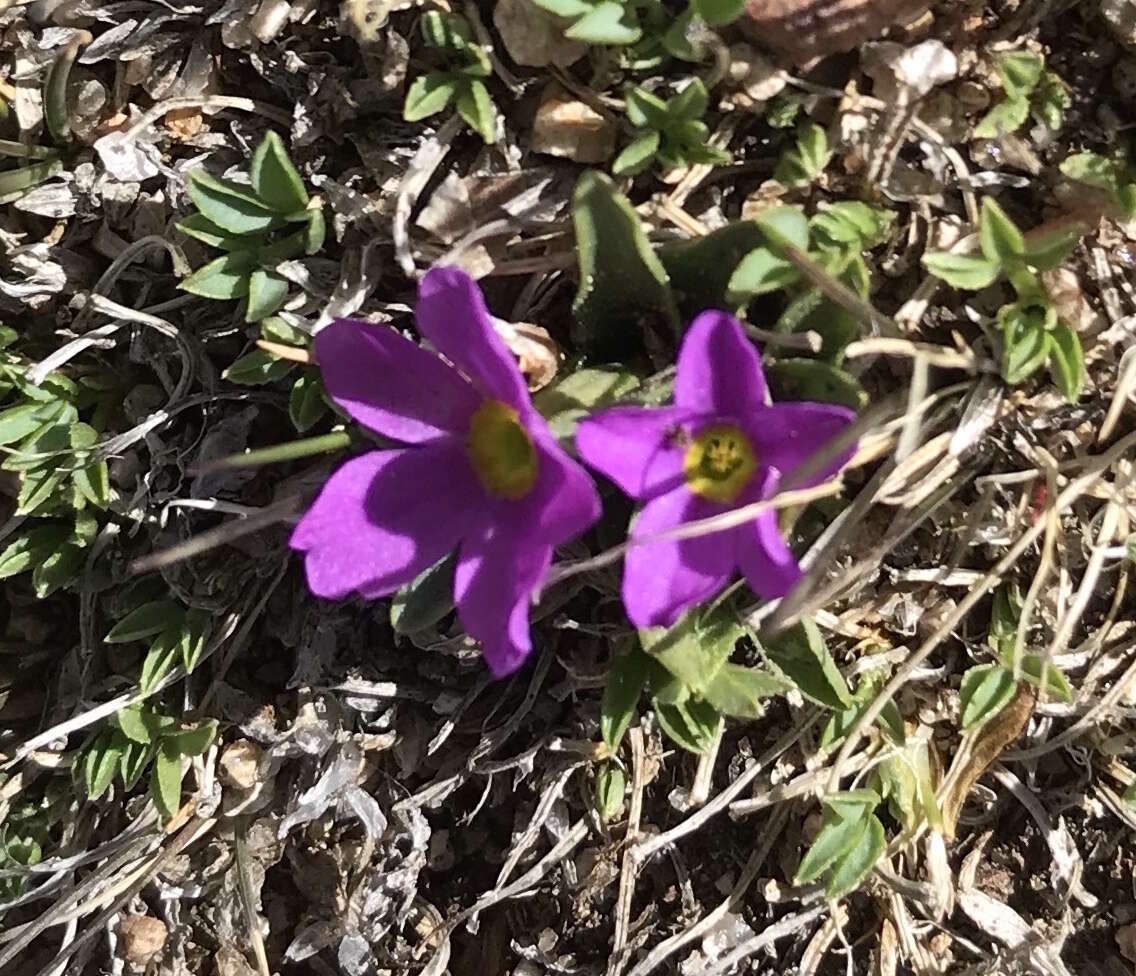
(532, 37)
(567, 127)
(239, 764)
(1120, 15)
(141, 938)
(803, 30)
(1126, 941)
(754, 76)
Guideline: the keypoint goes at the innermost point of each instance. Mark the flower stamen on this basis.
(720, 463)
(501, 451)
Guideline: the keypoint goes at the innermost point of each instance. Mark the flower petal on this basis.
(719, 369)
(768, 565)
(635, 447)
(496, 575)
(390, 385)
(451, 313)
(661, 580)
(563, 503)
(384, 517)
(786, 435)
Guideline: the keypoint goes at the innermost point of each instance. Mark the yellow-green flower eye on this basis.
(720, 463)
(501, 451)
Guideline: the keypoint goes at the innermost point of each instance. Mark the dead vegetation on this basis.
(373, 803)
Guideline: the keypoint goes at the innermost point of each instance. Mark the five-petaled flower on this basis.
(480, 468)
(722, 445)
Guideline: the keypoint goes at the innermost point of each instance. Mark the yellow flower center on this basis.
(501, 451)
(719, 463)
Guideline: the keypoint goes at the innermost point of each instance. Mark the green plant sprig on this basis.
(273, 219)
(462, 82)
(672, 133)
(1031, 332)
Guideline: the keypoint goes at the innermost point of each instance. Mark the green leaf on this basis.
(40, 491)
(623, 290)
(852, 804)
(306, 403)
(275, 329)
(476, 107)
(132, 765)
(857, 864)
(607, 22)
(1025, 341)
(1005, 117)
(801, 165)
(1020, 72)
(627, 676)
(161, 659)
(222, 278)
(200, 228)
(18, 422)
(760, 272)
(812, 312)
(700, 269)
(267, 291)
(802, 655)
(568, 9)
(637, 156)
(1005, 617)
(136, 724)
(58, 569)
(718, 13)
(690, 103)
(1056, 684)
(229, 205)
(694, 649)
(963, 271)
(316, 232)
(92, 481)
(738, 691)
(1049, 251)
(146, 621)
(568, 399)
(100, 761)
(428, 95)
(14, 183)
(191, 742)
(850, 222)
(889, 719)
(984, 692)
(165, 780)
(1050, 102)
(31, 548)
(1067, 361)
(1094, 170)
(645, 110)
(812, 380)
(836, 838)
(426, 599)
(785, 226)
(1002, 243)
(258, 368)
(274, 179)
(195, 632)
(611, 784)
(692, 725)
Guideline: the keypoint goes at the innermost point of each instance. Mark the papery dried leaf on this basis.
(801, 30)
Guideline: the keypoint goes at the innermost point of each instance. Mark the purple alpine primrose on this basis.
(480, 471)
(722, 445)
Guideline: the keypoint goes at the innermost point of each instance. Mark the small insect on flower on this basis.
(722, 446)
(480, 470)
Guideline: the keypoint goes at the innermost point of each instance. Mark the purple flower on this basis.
(481, 470)
(721, 446)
